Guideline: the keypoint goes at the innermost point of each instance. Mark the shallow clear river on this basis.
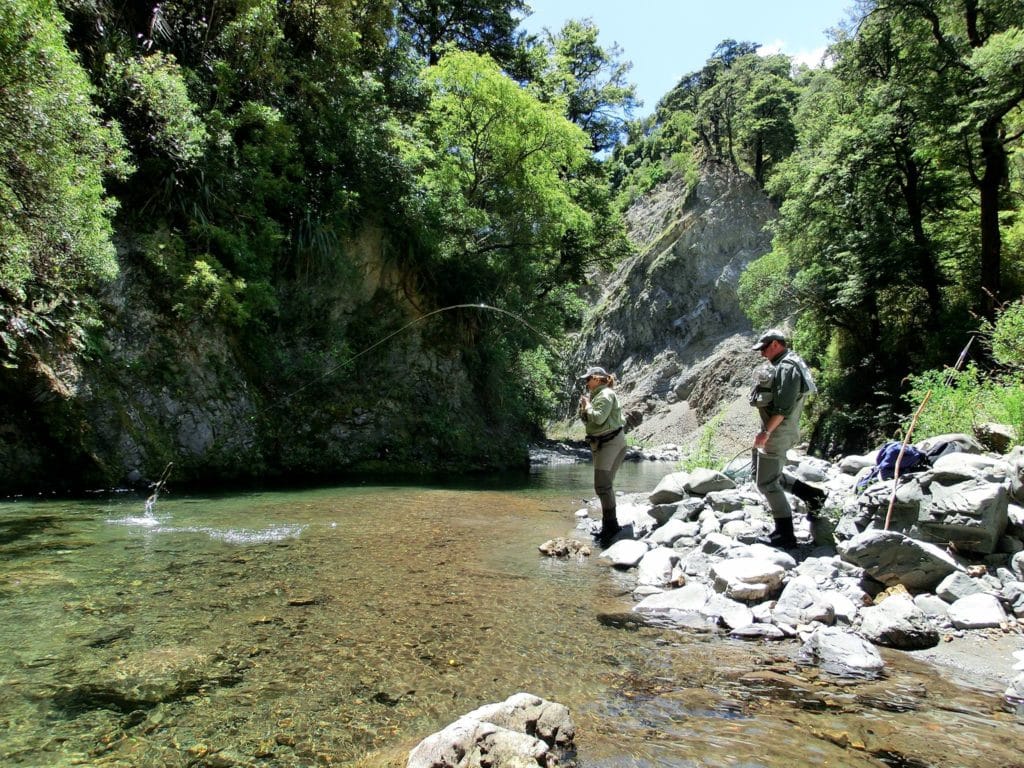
(339, 626)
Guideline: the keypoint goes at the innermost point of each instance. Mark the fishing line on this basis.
(547, 341)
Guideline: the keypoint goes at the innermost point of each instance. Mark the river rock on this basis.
(703, 481)
(725, 501)
(747, 578)
(840, 652)
(873, 505)
(955, 442)
(978, 611)
(516, 733)
(699, 564)
(1015, 461)
(897, 622)
(764, 552)
(715, 543)
(1017, 565)
(672, 531)
(759, 632)
(1013, 596)
(893, 558)
(625, 553)
(662, 513)
(691, 597)
(670, 489)
(972, 515)
(958, 584)
(660, 567)
(933, 606)
(730, 613)
(855, 463)
(956, 467)
(801, 603)
(844, 608)
(563, 547)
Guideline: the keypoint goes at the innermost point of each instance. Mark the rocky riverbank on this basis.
(943, 581)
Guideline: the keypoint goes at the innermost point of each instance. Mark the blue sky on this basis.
(666, 39)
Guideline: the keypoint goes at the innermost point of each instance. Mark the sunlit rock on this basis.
(747, 578)
(843, 653)
(524, 730)
(897, 622)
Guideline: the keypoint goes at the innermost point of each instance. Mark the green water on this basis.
(338, 626)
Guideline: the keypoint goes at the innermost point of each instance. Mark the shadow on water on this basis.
(22, 527)
(338, 626)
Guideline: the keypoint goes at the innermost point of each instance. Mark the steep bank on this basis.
(668, 323)
(327, 391)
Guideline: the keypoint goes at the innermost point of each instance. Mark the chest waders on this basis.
(608, 457)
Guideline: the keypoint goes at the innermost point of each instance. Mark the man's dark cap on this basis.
(767, 338)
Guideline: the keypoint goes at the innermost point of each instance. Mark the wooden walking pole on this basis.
(910, 431)
(899, 458)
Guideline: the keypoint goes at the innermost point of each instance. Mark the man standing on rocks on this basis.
(778, 395)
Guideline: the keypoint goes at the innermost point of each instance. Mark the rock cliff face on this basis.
(364, 387)
(668, 322)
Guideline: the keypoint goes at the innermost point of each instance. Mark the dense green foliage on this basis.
(900, 210)
(898, 171)
(55, 233)
(960, 400)
(264, 168)
(263, 165)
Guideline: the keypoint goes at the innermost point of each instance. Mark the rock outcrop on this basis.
(668, 322)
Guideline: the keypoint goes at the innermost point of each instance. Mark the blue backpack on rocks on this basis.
(914, 460)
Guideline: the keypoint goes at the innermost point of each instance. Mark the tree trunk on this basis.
(927, 269)
(994, 174)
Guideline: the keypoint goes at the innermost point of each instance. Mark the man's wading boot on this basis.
(813, 497)
(783, 535)
(609, 527)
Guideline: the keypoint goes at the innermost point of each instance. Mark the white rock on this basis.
(747, 578)
(625, 553)
(692, 597)
(977, 612)
(660, 567)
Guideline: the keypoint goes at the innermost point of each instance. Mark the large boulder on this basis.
(625, 553)
(670, 489)
(516, 733)
(897, 622)
(972, 515)
(978, 611)
(873, 505)
(704, 481)
(801, 603)
(660, 567)
(893, 558)
(692, 597)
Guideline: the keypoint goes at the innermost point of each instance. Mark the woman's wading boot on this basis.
(609, 527)
(783, 535)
